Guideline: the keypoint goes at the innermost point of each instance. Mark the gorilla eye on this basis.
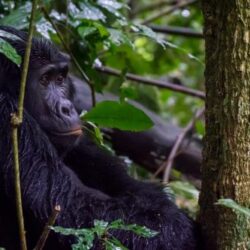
(44, 80)
(60, 79)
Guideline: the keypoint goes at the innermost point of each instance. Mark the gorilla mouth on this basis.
(75, 132)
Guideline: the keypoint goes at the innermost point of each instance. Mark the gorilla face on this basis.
(47, 96)
(48, 101)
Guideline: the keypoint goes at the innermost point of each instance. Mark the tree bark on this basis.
(226, 164)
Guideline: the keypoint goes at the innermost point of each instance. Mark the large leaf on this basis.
(9, 52)
(118, 115)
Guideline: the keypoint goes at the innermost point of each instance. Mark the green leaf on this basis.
(86, 31)
(117, 224)
(18, 18)
(85, 237)
(123, 116)
(200, 127)
(90, 12)
(127, 91)
(184, 189)
(114, 244)
(103, 31)
(146, 31)
(100, 227)
(113, 8)
(98, 135)
(139, 230)
(110, 5)
(10, 52)
(45, 28)
(118, 38)
(233, 205)
(93, 32)
(70, 231)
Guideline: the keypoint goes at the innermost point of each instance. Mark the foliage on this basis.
(186, 196)
(121, 115)
(234, 206)
(9, 51)
(185, 189)
(103, 231)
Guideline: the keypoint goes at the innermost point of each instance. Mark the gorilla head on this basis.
(48, 90)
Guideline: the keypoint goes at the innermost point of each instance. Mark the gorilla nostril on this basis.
(66, 111)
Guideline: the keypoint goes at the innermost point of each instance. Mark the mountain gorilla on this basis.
(88, 183)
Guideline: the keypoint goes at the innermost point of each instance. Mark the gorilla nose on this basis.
(71, 123)
(67, 109)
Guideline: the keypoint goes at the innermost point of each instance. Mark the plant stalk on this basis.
(16, 121)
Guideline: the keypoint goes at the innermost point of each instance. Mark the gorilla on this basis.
(85, 181)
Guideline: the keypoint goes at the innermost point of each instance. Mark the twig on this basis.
(152, 6)
(157, 83)
(180, 138)
(16, 121)
(52, 219)
(167, 165)
(85, 77)
(177, 31)
(67, 37)
(168, 10)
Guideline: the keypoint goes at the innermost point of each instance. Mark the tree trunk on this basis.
(226, 164)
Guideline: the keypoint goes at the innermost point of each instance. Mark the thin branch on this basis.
(157, 83)
(26, 62)
(167, 165)
(152, 6)
(16, 121)
(85, 77)
(67, 37)
(42, 240)
(177, 31)
(168, 10)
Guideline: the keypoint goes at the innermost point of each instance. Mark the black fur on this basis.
(47, 181)
(100, 190)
